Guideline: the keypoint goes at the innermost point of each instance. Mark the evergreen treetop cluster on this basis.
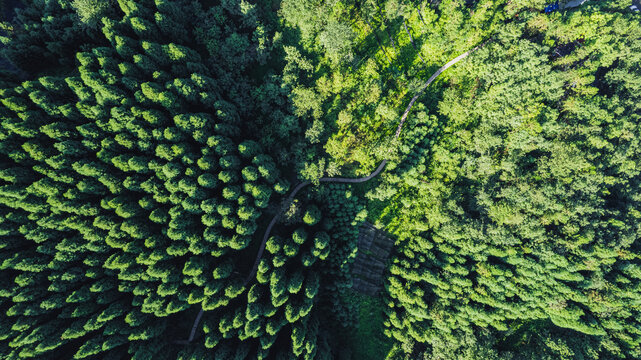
(148, 150)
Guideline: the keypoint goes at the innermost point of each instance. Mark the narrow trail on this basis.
(289, 200)
(427, 83)
(304, 184)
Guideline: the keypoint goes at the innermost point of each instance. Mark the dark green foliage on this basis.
(44, 34)
(128, 188)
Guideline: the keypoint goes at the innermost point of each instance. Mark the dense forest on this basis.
(189, 179)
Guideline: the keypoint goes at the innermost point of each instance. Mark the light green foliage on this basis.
(91, 12)
(338, 39)
(312, 216)
(519, 202)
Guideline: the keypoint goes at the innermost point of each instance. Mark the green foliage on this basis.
(514, 209)
(146, 145)
(91, 12)
(44, 34)
(337, 39)
(129, 188)
(366, 341)
(312, 216)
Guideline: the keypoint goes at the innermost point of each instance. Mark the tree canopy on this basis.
(173, 179)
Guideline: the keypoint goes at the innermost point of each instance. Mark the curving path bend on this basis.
(302, 185)
(290, 198)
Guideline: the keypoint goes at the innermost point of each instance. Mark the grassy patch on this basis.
(366, 341)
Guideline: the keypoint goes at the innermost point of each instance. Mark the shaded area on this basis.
(374, 246)
(366, 340)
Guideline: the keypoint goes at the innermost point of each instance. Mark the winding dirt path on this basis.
(302, 185)
(427, 83)
(289, 200)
